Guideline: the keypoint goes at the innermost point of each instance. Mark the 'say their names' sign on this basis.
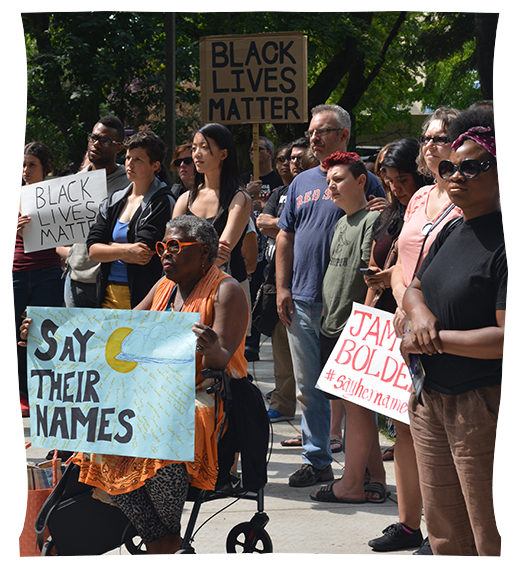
(62, 209)
(259, 78)
(366, 366)
(112, 381)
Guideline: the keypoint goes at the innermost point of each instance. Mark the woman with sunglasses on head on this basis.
(457, 305)
(218, 194)
(129, 223)
(182, 163)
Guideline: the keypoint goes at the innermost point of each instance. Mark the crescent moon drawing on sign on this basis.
(113, 349)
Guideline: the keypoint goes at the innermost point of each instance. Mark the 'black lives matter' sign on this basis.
(62, 209)
(259, 78)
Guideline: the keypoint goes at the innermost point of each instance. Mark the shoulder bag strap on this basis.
(431, 227)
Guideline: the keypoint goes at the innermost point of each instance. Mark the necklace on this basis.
(174, 295)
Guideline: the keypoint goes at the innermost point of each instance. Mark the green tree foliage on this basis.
(83, 64)
(454, 72)
(374, 64)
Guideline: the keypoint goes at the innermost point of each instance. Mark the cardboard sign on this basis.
(112, 381)
(366, 366)
(259, 78)
(62, 210)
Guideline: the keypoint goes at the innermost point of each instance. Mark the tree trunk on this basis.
(170, 87)
(485, 34)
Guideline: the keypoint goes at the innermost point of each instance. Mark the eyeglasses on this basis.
(469, 168)
(185, 160)
(103, 142)
(437, 140)
(320, 132)
(173, 246)
(282, 159)
(296, 157)
(260, 148)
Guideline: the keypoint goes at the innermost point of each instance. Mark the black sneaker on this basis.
(251, 354)
(425, 549)
(309, 475)
(397, 537)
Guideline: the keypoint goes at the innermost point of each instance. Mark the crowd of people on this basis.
(423, 216)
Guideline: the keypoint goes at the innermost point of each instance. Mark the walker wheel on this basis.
(187, 550)
(135, 545)
(48, 548)
(249, 540)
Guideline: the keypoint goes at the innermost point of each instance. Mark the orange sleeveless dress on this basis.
(122, 474)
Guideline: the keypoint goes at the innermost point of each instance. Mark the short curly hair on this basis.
(470, 118)
(199, 229)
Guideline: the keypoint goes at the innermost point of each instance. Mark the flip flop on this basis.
(376, 487)
(326, 494)
(338, 443)
(292, 442)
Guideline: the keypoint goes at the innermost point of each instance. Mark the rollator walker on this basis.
(78, 524)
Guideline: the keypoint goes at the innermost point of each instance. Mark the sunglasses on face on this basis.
(469, 168)
(185, 160)
(103, 142)
(437, 140)
(173, 246)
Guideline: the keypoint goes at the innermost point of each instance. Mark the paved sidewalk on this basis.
(297, 524)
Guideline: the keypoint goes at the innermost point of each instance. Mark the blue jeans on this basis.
(304, 342)
(79, 295)
(38, 288)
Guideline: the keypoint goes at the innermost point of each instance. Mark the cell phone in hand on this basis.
(366, 271)
(417, 374)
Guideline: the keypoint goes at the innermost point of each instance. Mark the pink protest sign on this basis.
(366, 366)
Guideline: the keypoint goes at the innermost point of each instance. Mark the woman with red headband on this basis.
(457, 305)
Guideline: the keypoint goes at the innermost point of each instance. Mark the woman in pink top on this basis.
(428, 210)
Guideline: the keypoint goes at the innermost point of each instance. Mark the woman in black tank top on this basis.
(218, 194)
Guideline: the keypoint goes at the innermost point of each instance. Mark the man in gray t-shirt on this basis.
(104, 144)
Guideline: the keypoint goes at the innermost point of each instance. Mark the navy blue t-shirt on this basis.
(311, 215)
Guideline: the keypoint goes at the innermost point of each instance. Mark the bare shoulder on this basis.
(181, 206)
(229, 289)
(241, 198)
